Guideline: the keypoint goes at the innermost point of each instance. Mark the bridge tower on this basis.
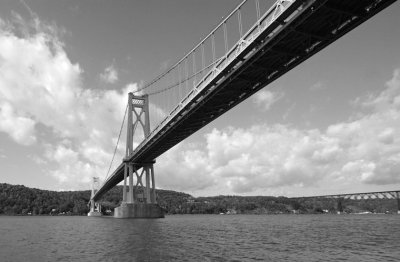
(95, 207)
(139, 200)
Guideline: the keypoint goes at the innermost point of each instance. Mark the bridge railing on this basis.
(177, 85)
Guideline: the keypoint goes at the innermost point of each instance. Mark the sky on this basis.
(329, 126)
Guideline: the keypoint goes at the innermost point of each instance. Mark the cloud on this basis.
(110, 75)
(264, 99)
(2, 155)
(318, 86)
(193, 172)
(364, 150)
(74, 171)
(288, 111)
(19, 127)
(40, 88)
(245, 160)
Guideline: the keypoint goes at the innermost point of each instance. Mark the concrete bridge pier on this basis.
(398, 202)
(339, 205)
(140, 201)
(95, 209)
(138, 210)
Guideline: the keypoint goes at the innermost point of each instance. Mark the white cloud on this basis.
(110, 75)
(40, 85)
(318, 86)
(20, 128)
(40, 160)
(74, 171)
(184, 168)
(244, 160)
(2, 155)
(365, 150)
(264, 99)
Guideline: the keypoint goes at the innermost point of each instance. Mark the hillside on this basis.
(21, 200)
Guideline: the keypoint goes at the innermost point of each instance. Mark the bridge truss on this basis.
(395, 195)
(366, 196)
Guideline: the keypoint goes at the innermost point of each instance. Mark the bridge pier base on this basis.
(95, 209)
(94, 214)
(138, 210)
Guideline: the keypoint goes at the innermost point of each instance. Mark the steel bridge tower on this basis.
(139, 200)
(95, 207)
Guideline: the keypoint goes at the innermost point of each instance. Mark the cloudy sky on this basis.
(330, 126)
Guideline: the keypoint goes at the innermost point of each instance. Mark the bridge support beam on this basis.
(124, 186)
(339, 207)
(131, 189)
(141, 199)
(95, 209)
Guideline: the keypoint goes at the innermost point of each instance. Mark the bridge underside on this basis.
(302, 30)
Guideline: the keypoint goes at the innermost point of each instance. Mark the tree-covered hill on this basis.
(17, 199)
(21, 200)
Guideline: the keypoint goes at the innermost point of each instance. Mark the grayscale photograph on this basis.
(199, 130)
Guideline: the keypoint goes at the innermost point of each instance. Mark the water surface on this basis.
(202, 238)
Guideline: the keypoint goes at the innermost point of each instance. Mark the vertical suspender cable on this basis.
(226, 40)
(187, 76)
(174, 91)
(170, 82)
(258, 15)
(194, 68)
(240, 23)
(203, 62)
(213, 46)
(258, 12)
(179, 79)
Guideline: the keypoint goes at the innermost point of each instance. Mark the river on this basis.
(202, 238)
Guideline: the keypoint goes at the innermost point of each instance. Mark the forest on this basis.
(21, 200)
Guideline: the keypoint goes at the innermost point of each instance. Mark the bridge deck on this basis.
(268, 50)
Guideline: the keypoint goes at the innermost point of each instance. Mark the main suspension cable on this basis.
(116, 146)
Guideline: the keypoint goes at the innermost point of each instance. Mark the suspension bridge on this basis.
(251, 47)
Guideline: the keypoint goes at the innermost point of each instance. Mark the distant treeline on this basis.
(21, 200)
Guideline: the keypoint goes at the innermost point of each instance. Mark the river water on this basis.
(202, 238)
